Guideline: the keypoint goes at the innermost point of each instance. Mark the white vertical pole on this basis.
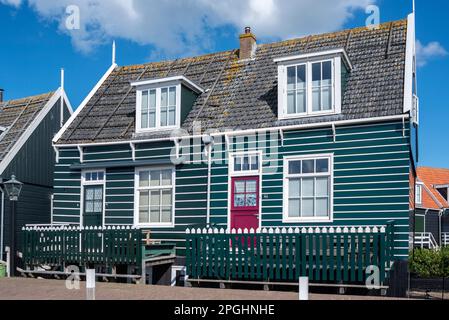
(304, 289)
(62, 98)
(8, 258)
(113, 52)
(90, 284)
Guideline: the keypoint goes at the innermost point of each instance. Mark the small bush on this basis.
(427, 263)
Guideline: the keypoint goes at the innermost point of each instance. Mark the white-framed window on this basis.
(158, 107)
(154, 197)
(311, 84)
(308, 188)
(418, 193)
(443, 191)
(245, 163)
(93, 197)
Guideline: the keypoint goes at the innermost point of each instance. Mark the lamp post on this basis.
(13, 188)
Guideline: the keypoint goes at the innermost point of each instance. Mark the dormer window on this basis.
(311, 84)
(159, 105)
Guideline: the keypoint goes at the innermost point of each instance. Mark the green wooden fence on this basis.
(339, 255)
(65, 245)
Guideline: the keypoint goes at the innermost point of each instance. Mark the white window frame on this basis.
(233, 156)
(158, 87)
(283, 64)
(419, 193)
(137, 198)
(85, 183)
(444, 186)
(287, 176)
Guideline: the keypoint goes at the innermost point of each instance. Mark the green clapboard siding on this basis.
(371, 168)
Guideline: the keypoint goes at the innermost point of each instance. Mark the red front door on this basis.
(245, 203)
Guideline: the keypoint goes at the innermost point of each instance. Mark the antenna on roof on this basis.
(414, 7)
(61, 111)
(113, 52)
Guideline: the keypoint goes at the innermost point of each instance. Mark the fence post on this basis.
(90, 284)
(303, 288)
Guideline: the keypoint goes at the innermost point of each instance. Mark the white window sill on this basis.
(308, 220)
(155, 225)
(307, 115)
(151, 130)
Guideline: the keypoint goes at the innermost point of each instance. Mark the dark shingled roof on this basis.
(16, 116)
(244, 94)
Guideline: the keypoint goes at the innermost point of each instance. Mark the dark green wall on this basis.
(371, 179)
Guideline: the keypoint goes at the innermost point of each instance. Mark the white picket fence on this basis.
(425, 240)
(445, 239)
(304, 230)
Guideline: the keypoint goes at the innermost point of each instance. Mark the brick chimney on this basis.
(248, 45)
(1, 95)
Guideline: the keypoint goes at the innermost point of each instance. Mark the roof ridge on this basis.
(297, 39)
(14, 102)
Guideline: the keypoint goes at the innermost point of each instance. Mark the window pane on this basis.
(98, 206)
(144, 102)
(166, 198)
(152, 100)
(443, 192)
(307, 208)
(291, 102)
(327, 98)
(172, 117)
(151, 120)
(166, 177)
(155, 214)
(237, 164)
(294, 167)
(291, 75)
(322, 207)
(144, 199)
(327, 73)
(308, 166)
(89, 206)
(239, 200)
(164, 97)
(164, 119)
(254, 163)
(155, 177)
(88, 176)
(99, 193)
(172, 96)
(294, 209)
(294, 188)
(301, 101)
(144, 178)
(301, 77)
(94, 176)
(245, 166)
(155, 200)
(316, 74)
(308, 187)
(152, 110)
(251, 186)
(322, 187)
(251, 200)
(316, 99)
(166, 215)
(322, 165)
(239, 187)
(143, 215)
(89, 194)
(100, 175)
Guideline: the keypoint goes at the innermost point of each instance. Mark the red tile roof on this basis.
(432, 177)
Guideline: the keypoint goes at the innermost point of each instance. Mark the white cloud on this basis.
(15, 3)
(190, 26)
(425, 53)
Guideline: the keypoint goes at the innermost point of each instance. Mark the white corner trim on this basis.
(67, 101)
(410, 64)
(190, 84)
(84, 103)
(29, 131)
(312, 55)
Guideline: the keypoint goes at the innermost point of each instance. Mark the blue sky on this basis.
(35, 43)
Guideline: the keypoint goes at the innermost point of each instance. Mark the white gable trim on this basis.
(31, 128)
(410, 63)
(319, 54)
(84, 103)
(188, 83)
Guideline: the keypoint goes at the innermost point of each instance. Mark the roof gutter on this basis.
(245, 132)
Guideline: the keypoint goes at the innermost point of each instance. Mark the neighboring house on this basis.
(314, 132)
(27, 127)
(431, 211)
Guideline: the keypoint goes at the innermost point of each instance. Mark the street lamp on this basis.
(13, 188)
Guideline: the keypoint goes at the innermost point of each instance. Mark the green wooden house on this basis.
(27, 127)
(259, 164)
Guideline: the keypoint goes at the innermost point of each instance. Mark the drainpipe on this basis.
(208, 141)
(2, 222)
